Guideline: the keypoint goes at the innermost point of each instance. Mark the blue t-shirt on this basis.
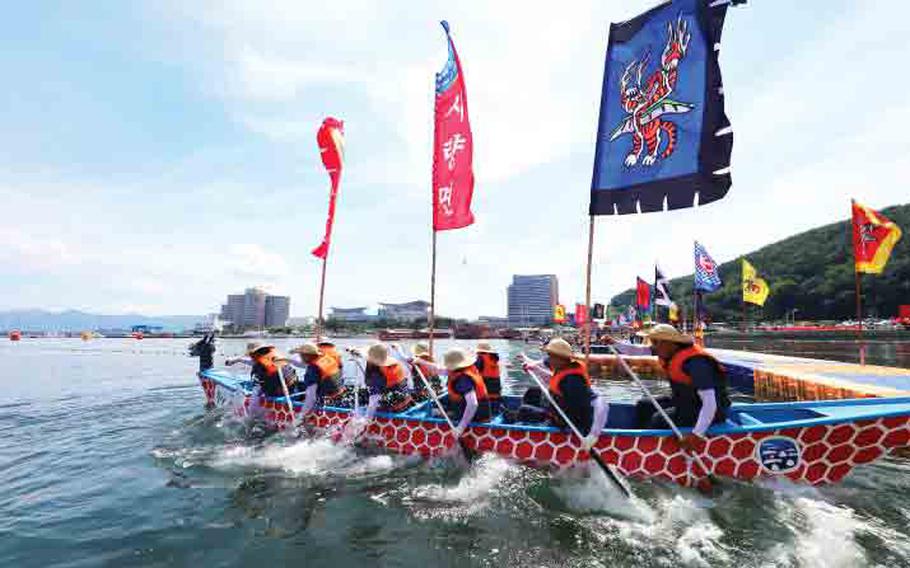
(463, 385)
(703, 372)
(311, 376)
(374, 379)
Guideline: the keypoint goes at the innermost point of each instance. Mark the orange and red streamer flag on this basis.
(330, 138)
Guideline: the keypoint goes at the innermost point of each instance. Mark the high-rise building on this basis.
(255, 309)
(532, 299)
(277, 310)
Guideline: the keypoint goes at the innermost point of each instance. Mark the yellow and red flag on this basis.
(559, 313)
(755, 289)
(874, 235)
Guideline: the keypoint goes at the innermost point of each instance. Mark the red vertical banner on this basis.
(330, 138)
(581, 314)
(453, 147)
(642, 295)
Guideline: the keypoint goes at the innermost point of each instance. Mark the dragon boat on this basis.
(815, 443)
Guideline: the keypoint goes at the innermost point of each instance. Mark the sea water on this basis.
(110, 459)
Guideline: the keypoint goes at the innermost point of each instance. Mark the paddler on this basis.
(468, 400)
(267, 373)
(487, 364)
(386, 381)
(570, 386)
(423, 361)
(205, 350)
(698, 382)
(321, 378)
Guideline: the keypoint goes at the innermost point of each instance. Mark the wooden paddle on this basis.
(663, 414)
(608, 471)
(287, 395)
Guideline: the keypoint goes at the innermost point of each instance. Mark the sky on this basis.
(157, 156)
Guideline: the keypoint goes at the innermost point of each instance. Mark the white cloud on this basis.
(253, 261)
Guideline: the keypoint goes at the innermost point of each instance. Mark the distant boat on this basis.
(137, 335)
(85, 335)
(15, 335)
(399, 334)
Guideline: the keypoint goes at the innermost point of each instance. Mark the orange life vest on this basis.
(330, 351)
(327, 365)
(394, 375)
(490, 365)
(471, 372)
(428, 369)
(674, 368)
(574, 368)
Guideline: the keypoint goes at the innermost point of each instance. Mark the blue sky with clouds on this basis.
(158, 156)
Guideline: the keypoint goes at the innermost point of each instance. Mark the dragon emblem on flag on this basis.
(648, 105)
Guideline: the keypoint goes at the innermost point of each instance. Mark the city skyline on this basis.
(156, 172)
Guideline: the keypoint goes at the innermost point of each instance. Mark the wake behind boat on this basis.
(815, 443)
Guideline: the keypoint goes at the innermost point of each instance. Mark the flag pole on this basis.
(432, 321)
(859, 294)
(859, 319)
(587, 326)
(320, 323)
(744, 316)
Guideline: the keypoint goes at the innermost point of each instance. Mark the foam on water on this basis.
(829, 541)
(587, 490)
(473, 488)
(682, 524)
(311, 457)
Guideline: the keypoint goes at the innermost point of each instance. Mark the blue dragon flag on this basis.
(662, 135)
(707, 278)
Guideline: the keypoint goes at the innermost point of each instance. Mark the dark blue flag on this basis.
(662, 134)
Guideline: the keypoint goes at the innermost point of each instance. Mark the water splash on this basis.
(586, 490)
(474, 488)
(827, 537)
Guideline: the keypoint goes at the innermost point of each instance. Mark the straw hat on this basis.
(455, 359)
(484, 347)
(420, 350)
(306, 349)
(378, 354)
(255, 346)
(666, 332)
(559, 347)
(325, 341)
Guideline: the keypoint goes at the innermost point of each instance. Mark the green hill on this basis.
(811, 272)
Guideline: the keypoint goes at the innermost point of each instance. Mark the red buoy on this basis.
(15, 335)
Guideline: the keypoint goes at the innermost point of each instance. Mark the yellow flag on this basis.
(755, 289)
(674, 312)
(559, 313)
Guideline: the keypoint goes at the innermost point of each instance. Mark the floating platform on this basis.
(782, 377)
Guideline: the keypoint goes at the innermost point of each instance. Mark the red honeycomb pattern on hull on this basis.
(828, 452)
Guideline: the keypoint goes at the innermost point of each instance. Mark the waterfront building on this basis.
(350, 314)
(531, 299)
(408, 311)
(494, 322)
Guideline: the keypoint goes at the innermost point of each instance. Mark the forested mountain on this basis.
(811, 272)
